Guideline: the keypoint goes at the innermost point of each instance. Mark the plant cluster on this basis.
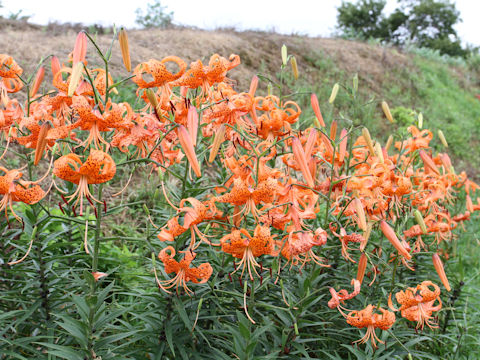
(255, 202)
(425, 23)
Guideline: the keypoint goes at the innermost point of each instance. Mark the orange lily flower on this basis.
(94, 122)
(200, 212)
(9, 73)
(247, 249)
(345, 239)
(417, 303)
(185, 273)
(298, 247)
(97, 169)
(367, 319)
(14, 189)
(161, 76)
(98, 275)
(342, 295)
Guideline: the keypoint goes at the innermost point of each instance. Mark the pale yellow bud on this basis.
(379, 152)
(420, 120)
(368, 140)
(293, 62)
(442, 138)
(386, 111)
(152, 98)
(389, 142)
(334, 93)
(284, 54)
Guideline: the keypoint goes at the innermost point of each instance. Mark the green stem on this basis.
(96, 246)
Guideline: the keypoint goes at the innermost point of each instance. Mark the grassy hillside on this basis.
(443, 90)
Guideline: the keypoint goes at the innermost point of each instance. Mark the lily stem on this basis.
(96, 246)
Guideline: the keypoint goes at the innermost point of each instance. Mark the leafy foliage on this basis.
(155, 16)
(425, 23)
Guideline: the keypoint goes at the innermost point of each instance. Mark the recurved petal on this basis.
(66, 168)
(98, 168)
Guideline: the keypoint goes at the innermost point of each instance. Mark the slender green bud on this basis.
(419, 218)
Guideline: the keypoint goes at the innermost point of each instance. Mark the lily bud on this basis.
(269, 89)
(299, 156)
(75, 78)
(368, 140)
(334, 93)
(428, 162)
(41, 142)
(419, 218)
(333, 130)
(284, 54)
(355, 83)
(366, 236)
(446, 161)
(386, 111)
(192, 123)
(37, 82)
(316, 110)
(389, 142)
(437, 263)
(442, 138)
(123, 40)
(293, 62)
(343, 145)
(379, 152)
(187, 146)
(420, 120)
(98, 275)
(362, 265)
(253, 85)
(311, 140)
(152, 98)
(362, 221)
(470, 204)
(55, 65)
(392, 237)
(80, 49)
(217, 141)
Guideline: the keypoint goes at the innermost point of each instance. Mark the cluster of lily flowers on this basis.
(286, 191)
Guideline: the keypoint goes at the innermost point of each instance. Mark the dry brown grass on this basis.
(27, 43)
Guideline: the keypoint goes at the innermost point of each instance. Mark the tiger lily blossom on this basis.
(97, 169)
(417, 304)
(14, 189)
(184, 273)
(366, 318)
